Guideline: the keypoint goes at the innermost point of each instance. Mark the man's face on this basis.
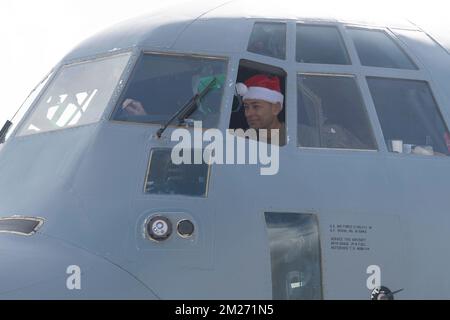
(261, 114)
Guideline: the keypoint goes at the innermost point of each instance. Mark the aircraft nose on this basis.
(41, 267)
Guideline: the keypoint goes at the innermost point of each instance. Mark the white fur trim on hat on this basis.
(265, 94)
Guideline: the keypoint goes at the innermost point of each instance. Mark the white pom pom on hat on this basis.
(241, 89)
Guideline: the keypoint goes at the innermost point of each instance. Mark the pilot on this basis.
(263, 102)
(134, 107)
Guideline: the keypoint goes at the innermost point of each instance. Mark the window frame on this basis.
(340, 37)
(56, 72)
(287, 38)
(392, 37)
(280, 71)
(134, 70)
(163, 195)
(360, 73)
(364, 107)
(433, 97)
(315, 216)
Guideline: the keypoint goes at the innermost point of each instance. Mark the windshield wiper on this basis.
(188, 109)
(4, 131)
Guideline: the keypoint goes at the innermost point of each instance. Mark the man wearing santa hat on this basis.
(263, 101)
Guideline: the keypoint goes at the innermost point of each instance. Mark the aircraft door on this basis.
(295, 256)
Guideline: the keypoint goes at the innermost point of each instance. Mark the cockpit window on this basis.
(77, 96)
(162, 84)
(320, 44)
(268, 39)
(377, 49)
(409, 117)
(331, 113)
(261, 104)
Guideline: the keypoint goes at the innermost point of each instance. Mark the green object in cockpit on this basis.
(205, 81)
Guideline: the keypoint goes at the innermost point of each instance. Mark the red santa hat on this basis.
(261, 87)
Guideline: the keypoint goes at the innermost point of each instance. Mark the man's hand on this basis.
(134, 107)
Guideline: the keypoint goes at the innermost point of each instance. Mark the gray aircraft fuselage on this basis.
(87, 185)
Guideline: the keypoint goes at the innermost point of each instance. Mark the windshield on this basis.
(163, 84)
(77, 96)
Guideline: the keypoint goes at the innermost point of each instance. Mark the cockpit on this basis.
(162, 84)
(350, 82)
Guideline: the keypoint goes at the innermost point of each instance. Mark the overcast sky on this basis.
(37, 34)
